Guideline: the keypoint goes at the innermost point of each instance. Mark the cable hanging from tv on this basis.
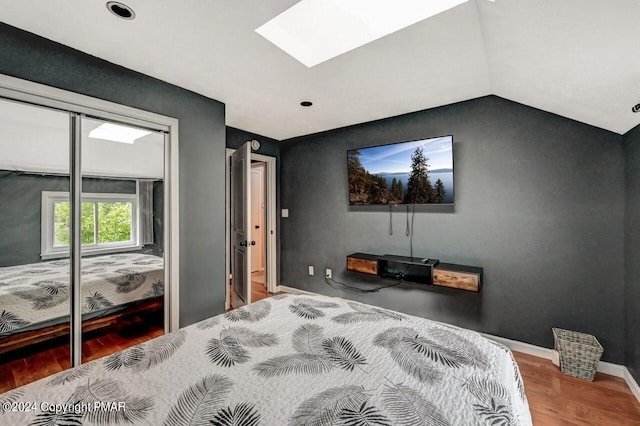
(409, 230)
(409, 227)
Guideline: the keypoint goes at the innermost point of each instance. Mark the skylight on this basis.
(117, 133)
(314, 31)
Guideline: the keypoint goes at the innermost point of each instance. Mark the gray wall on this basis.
(539, 205)
(632, 250)
(202, 150)
(236, 138)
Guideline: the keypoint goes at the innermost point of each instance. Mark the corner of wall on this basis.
(631, 146)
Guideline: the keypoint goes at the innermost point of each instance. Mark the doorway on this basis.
(258, 220)
(261, 187)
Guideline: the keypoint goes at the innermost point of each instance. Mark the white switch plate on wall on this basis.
(285, 212)
(311, 272)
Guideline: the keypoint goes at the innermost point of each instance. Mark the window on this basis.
(108, 224)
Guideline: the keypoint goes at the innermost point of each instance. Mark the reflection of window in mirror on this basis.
(108, 225)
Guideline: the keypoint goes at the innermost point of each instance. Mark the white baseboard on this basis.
(292, 290)
(633, 385)
(612, 369)
(616, 370)
(526, 348)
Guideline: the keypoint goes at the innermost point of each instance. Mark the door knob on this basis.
(253, 243)
(243, 243)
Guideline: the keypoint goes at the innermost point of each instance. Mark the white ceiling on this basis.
(576, 58)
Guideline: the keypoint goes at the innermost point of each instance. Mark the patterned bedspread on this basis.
(289, 360)
(37, 295)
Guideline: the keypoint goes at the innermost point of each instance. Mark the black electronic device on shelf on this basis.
(412, 269)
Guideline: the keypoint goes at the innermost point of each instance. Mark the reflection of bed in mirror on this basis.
(35, 297)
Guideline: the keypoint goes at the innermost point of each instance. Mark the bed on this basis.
(34, 298)
(289, 360)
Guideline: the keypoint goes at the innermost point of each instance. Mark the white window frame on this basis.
(50, 251)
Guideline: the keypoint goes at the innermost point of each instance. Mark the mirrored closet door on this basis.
(34, 287)
(84, 226)
(122, 266)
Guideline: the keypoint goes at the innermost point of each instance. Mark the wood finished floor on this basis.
(554, 398)
(29, 364)
(558, 399)
(258, 288)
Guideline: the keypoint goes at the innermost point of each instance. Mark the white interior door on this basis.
(241, 226)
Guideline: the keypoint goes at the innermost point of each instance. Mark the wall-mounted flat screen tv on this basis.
(414, 172)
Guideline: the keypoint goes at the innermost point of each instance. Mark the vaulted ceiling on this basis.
(576, 58)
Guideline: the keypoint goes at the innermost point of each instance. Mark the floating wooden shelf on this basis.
(361, 262)
(416, 270)
(458, 276)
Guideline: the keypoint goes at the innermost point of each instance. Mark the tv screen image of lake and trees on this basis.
(414, 172)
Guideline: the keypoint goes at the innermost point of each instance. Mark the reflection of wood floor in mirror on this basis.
(26, 365)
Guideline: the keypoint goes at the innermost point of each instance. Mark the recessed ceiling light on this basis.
(636, 108)
(306, 103)
(313, 31)
(121, 10)
(117, 133)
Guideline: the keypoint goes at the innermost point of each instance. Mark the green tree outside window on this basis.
(114, 222)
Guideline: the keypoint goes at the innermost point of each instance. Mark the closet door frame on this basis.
(77, 105)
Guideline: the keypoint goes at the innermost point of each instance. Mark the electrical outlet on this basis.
(311, 272)
(327, 273)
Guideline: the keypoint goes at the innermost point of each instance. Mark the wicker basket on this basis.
(579, 353)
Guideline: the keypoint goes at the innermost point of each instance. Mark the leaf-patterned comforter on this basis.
(37, 295)
(291, 360)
